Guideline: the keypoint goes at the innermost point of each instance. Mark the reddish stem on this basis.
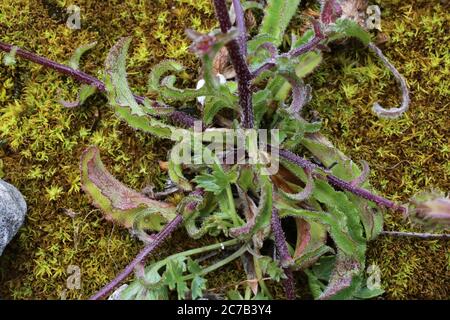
(176, 116)
(157, 240)
(280, 243)
(243, 75)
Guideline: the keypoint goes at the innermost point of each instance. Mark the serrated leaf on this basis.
(277, 15)
(145, 123)
(370, 215)
(271, 268)
(344, 210)
(74, 61)
(118, 202)
(215, 182)
(193, 266)
(116, 84)
(198, 285)
(174, 272)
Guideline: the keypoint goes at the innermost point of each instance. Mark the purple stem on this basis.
(339, 183)
(176, 116)
(280, 243)
(240, 23)
(311, 45)
(299, 161)
(363, 193)
(156, 242)
(243, 75)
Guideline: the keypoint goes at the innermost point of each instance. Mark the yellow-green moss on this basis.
(43, 141)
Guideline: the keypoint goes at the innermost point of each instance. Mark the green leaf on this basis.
(198, 285)
(315, 285)
(145, 123)
(216, 182)
(271, 268)
(349, 28)
(342, 239)
(234, 295)
(75, 59)
(154, 81)
(328, 155)
(277, 15)
(323, 268)
(246, 179)
(343, 209)
(116, 84)
(176, 175)
(174, 272)
(193, 266)
(261, 101)
(212, 107)
(264, 212)
(118, 202)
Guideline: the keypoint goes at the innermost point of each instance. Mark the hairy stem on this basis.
(425, 236)
(339, 183)
(157, 241)
(240, 23)
(363, 193)
(309, 46)
(243, 75)
(176, 116)
(280, 243)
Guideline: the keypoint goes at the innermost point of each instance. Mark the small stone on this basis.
(13, 209)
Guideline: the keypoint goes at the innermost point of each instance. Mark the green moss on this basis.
(41, 142)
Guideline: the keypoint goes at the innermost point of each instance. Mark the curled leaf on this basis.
(306, 192)
(74, 61)
(159, 70)
(392, 113)
(85, 92)
(363, 176)
(118, 202)
(116, 84)
(278, 14)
